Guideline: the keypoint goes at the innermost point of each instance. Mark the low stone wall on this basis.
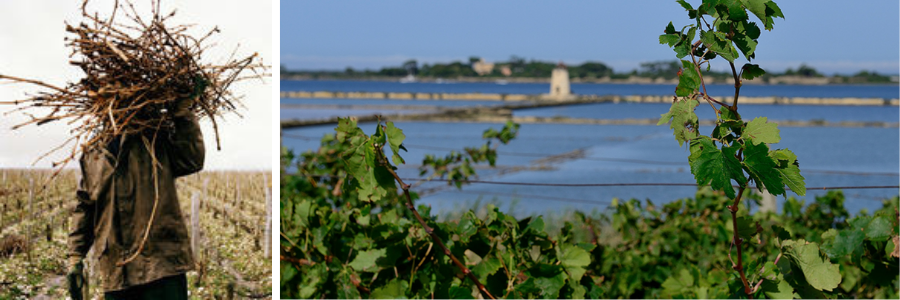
(774, 100)
(630, 98)
(410, 96)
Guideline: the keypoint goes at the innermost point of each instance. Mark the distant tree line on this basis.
(518, 67)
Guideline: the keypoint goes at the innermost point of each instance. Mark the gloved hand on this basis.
(75, 278)
(183, 106)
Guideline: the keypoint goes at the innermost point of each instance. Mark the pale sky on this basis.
(31, 35)
(834, 36)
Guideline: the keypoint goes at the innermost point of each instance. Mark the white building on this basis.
(559, 83)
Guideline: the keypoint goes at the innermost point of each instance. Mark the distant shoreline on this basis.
(633, 80)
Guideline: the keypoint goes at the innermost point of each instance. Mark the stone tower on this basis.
(559, 82)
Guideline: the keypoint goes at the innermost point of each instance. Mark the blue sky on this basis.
(832, 36)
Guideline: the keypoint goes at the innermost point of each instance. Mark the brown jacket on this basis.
(115, 202)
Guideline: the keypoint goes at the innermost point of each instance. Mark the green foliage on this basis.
(733, 144)
(457, 166)
(348, 232)
(715, 167)
(759, 131)
(750, 71)
(736, 151)
(817, 270)
(688, 81)
(684, 121)
(337, 246)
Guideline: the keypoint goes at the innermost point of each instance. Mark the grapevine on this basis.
(738, 151)
(351, 228)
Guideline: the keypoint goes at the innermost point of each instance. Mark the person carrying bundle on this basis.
(116, 197)
(135, 115)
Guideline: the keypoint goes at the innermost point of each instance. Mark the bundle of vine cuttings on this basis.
(136, 71)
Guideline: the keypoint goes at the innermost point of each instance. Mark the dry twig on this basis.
(135, 72)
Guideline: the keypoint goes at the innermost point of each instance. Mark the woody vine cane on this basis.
(429, 230)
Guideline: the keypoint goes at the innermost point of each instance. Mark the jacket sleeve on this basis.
(81, 226)
(187, 152)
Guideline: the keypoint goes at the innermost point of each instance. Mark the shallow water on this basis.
(619, 153)
(704, 112)
(818, 148)
(824, 91)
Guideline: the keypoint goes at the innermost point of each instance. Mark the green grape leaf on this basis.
(756, 7)
(679, 283)
(374, 260)
(534, 226)
(526, 287)
(355, 160)
(789, 170)
(718, 43)
(288, 272)
(750, 71)
(746, 227)
(687, 6)
(747, 46)
(574, 259)
(750, 29)
(842, 243)
(818, 270)
(762, 168)
(486, 267)
(688, 81)
(684, 120)
(778, 288)
(860, 222)
(670, 29)
(735, 10)
(707, 7)
(720, 132)
(301, 214)
(790, 176)
(549, 280)
(784, 157)
(760, 131)
(782, 234)
(378, 138)
(670, 39)
(827, 236)
(395, 289)
(879, 229)
(682, 49)
(727, 114)
(347, 128)
(714, 167)
(395, 138)
(458, 292)
(772, 11)
(769, 271)
(691, 34)
(466, 227)
(371, 178)
(345, 288)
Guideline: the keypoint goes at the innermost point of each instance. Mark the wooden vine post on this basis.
(30, 213)
(195, 223)
(267, 234)
(4, 197)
